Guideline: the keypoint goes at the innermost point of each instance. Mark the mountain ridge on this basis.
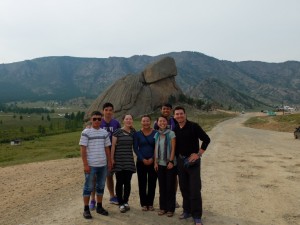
(66, 77)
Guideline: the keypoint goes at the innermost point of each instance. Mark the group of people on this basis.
(169, 150)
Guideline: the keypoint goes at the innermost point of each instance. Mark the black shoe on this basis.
(87, 214)
(102, 211)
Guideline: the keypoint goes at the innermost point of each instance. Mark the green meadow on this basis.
(59, 142)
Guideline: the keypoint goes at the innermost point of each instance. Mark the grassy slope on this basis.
(66, 145)
(284, 123)
(41, 149)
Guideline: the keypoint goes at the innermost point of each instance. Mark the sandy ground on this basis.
(249, 176)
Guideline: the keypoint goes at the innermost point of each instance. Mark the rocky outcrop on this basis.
(142, 93)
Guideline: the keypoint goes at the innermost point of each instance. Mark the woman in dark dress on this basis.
(123, 162)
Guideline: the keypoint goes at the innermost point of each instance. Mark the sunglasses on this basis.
(94, 119)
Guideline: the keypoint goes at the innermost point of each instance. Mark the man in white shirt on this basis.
(94, 145)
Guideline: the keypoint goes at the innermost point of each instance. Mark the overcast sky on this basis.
(235, 30)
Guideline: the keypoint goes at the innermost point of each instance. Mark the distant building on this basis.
(286, 108)
(16, 142)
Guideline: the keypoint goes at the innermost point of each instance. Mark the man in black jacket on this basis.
(189, 152)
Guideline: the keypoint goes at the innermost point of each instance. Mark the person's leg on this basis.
(119, 187)
(184, 186)
(195, 191)
(162, 187)
(142, 182)
(93, 196)
(87, 189)
(100, 185)
(176, 188)
(110, 187)
(127, 185)
(170, 189)
(152, 179)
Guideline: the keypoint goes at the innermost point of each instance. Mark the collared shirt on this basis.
(187, 139)
(95, 140)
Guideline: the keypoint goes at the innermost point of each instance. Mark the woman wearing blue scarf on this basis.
(165, 165)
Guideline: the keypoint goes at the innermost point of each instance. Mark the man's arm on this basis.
(204, 138)
(108, 157)
(84, 159)
(113, 149)
(201, 134)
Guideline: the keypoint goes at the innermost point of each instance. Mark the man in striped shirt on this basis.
(95, 153)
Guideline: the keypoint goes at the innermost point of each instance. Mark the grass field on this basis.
(41, 149)
(283, 123)
(66, 145)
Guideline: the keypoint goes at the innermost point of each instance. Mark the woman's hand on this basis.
(112, 163)
(156, 166)
(148, 162)
(170, 165)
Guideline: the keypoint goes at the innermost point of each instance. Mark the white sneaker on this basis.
(122, 209)
(127, 207)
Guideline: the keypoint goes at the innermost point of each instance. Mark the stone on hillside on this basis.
(143, 93)
(159, 70)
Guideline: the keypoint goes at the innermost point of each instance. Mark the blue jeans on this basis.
(100, 174)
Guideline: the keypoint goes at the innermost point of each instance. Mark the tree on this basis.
(41, 129)
(171, 99)
(182, 98)
(21, 117)
(48, 117)
(72, 117)
(22, 129)
(199, 103)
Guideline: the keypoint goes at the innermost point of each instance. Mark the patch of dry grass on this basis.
(283, 123)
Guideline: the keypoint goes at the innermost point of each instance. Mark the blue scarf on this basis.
(167, 149)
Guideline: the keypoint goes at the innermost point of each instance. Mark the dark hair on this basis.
(179, 108)
(123, 117)
(167, 105)
(146, 115)
(107, 104)
(162, 117)
(96, 113)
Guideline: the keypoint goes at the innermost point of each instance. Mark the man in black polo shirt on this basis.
(189, 152)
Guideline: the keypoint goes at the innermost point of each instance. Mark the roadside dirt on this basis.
(249, 176)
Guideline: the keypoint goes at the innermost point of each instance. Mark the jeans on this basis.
(100, 174)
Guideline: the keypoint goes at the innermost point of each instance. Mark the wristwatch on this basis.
(199, 154)
(171, 161)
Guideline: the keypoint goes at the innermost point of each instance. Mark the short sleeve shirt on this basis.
(95, 140)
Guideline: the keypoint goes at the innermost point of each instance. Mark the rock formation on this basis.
(142, 93)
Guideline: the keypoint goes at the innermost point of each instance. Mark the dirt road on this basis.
(249, 176)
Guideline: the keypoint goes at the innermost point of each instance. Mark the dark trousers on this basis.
(147, 178)
(123, 186)
(166, 181)
(190, 187)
